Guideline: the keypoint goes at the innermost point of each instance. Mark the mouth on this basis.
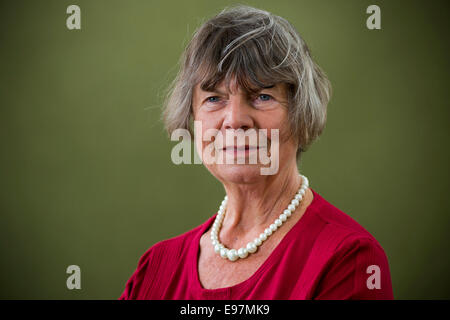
(241, 151)
(240, 148)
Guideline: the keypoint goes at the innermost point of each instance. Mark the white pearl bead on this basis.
(224, 253)
(251, 247)
(232, 255)
(242, 253)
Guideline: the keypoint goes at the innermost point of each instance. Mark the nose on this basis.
(237, 113)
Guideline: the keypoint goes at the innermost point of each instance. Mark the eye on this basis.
(264, 97)
(213, 99)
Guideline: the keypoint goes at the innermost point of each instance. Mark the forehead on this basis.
(233, 86)
(233, 82)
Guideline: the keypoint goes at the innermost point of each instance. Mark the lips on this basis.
(240, 148)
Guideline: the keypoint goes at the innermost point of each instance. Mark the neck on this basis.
(251, 207)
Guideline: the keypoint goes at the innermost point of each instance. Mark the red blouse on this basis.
(325, 255)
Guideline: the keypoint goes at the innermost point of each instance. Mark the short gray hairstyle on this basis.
(257, 49)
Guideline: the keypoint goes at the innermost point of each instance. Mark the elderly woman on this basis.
(273, 236)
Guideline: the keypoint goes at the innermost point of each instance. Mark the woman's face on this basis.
(220, 111)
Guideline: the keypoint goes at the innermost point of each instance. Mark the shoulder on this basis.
(346, 255)
(157, 265)
(172, 247)
(338, 226)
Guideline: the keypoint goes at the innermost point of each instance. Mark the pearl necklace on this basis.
(252, 246)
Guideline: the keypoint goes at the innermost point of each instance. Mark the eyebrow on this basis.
(216, 90)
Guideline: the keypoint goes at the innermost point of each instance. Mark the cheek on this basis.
(208, 127)
(277, 122)
(208, 120)
(287, 144)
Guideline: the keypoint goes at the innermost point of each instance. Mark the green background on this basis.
(85, 170)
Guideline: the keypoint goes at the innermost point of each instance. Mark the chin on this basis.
(244, 173)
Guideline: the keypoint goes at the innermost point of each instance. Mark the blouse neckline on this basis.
(270, 260)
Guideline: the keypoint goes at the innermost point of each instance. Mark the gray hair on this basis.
(258, 49)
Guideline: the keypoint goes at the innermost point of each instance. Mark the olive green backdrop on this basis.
(85, 170)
